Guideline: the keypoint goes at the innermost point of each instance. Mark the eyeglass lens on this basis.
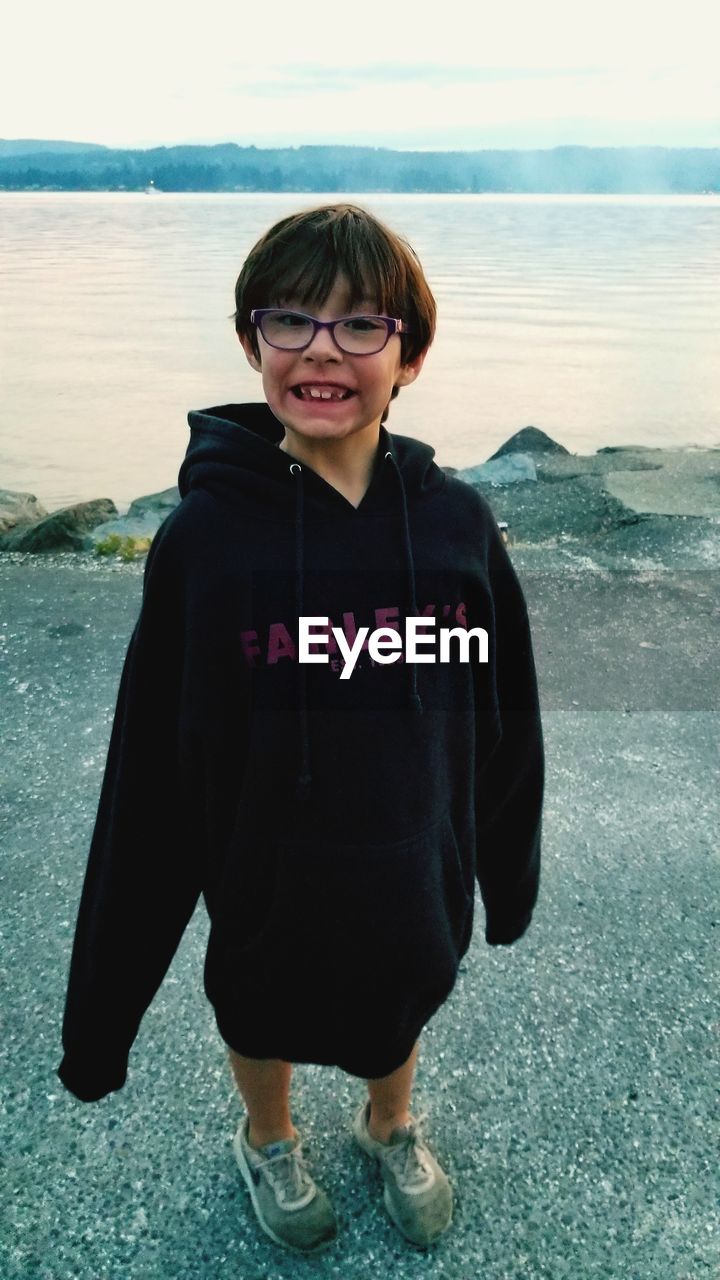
(358, 335)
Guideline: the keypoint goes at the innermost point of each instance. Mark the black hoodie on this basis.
(334, 826)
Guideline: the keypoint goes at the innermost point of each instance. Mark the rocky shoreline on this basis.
(623, 506)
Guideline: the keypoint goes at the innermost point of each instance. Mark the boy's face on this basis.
(369, 378)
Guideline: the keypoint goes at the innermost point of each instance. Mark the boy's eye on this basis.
(288, 319)
(363, 324)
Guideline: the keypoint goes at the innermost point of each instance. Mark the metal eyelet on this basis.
(293, 465)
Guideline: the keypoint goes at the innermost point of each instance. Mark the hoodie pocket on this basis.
(366, 914)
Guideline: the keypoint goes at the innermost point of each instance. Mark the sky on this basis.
(442, 75)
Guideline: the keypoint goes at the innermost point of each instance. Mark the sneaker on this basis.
(289, 1207)
(417, 1194)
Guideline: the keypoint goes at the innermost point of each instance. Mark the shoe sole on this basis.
(250, 1184)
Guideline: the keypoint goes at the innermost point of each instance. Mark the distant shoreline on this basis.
(375, 191)
(34, 165)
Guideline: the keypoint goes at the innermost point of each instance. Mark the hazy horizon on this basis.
(271, 146)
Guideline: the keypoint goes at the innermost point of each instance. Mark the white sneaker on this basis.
(290, 1208)
(418, 1196)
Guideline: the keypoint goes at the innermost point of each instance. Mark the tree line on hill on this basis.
(229, 167)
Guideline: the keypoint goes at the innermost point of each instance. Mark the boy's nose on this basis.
(322, 345)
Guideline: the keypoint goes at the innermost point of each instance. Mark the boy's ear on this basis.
(407, 373)
(251, 357)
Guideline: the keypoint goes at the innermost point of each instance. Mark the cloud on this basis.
(319, 78)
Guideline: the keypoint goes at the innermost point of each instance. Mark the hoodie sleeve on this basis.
(142, 880)
(510, 783)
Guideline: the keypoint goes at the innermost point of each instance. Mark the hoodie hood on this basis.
(233, 455)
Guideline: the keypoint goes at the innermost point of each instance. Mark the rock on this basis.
(140, 529)
(506, 470)
(626, 448)
(142, 519)
(687, 485)
(529, 440)
(577, 509)
(19, 509)
(568, 466)
(62, 530)
(161, 503)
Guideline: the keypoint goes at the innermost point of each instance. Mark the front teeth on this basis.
(317, 394)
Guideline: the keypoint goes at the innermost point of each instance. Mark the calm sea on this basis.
(594, 318)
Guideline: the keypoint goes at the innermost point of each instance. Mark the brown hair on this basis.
(301, 256)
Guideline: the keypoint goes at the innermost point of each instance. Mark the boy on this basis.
(335, 826)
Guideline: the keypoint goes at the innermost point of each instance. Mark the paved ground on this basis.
(571, 1080)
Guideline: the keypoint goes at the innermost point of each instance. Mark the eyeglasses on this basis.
(355, 335)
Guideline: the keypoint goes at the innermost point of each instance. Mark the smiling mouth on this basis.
(322, 395)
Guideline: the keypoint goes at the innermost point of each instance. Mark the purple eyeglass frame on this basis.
(391, 324)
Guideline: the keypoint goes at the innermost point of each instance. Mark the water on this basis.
(593, 318)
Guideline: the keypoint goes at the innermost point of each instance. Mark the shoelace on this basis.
(405, 1158)
(290, 1181)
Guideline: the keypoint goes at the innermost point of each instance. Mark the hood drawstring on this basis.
(414, 699)
(304, 779)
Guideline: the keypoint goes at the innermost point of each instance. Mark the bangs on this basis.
(325, 253)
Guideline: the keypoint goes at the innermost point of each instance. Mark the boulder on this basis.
(529, 440)
(19, 509)
(506, 470)
(141, 520)
(626, 448)
(160, 504)
(575, 509)
(62, 530)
